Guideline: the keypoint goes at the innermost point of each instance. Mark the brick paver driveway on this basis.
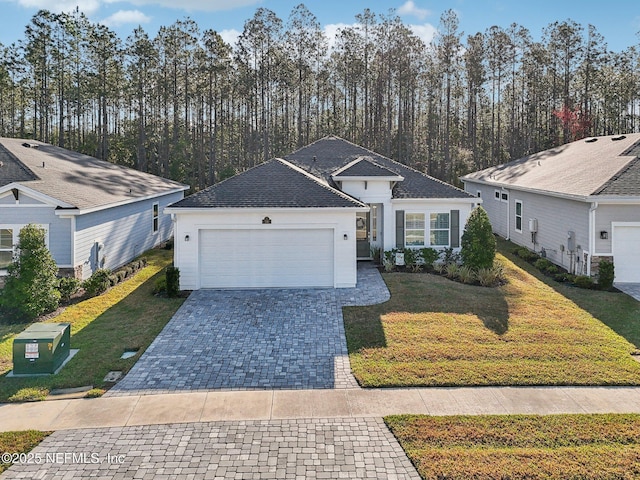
(254, 339)
(286, 449)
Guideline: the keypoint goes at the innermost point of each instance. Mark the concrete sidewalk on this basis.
(313, 404)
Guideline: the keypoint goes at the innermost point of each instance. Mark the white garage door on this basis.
(266, 258)
(626, 253)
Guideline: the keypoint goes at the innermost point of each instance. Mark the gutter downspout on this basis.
(592, 234)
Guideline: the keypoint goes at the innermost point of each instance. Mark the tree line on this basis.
(189, 106)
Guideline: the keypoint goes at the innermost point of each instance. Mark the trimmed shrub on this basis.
(606, 275)
(160, 285)
(478, 243)
(172, 275)
(98, 283)
(526, 254)
(584, 281)
(68, 286)
(429, 256)
(564, 277)
(31, 285)
(410, 257)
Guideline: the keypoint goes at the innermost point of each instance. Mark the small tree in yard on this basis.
(30, 286)
(478, 243)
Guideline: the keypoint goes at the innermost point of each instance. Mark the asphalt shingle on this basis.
(596, 166)
(323, 157)
(77, 180)
(276, 184)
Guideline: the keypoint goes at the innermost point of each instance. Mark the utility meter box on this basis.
(41, 348)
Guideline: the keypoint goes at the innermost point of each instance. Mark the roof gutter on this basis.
(189, 210)
(80, 211)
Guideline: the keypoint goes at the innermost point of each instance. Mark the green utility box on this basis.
(41, 348)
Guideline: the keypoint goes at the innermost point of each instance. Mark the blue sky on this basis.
(617, 20)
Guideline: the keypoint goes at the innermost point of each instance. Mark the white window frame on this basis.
(478, 194)
(155, 217)
(516, 216)
(496, 195)
(417, 229)
(15, 228)
(504, 197)
(448, 229)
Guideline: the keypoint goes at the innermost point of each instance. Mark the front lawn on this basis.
(435, 331)
(519, 447)
(127, 317)
(17, 444)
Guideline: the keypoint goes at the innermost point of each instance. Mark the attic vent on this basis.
(590, 140)
(621, 137)
(30, 145)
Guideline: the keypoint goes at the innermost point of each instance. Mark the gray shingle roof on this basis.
(78, 180)
(13, 170)
(323, 157)
(602, 166)
(364, 167)
(273, 184)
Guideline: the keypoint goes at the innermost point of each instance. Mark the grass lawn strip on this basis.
(16, 443)
(437, 332)
(520, 446)
(128, 316)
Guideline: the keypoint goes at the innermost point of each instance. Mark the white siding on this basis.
(125, 231)
(341, 223)
(59, 228)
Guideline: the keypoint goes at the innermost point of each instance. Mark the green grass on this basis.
(126, 317)
(19, 442)
(519, 447)
(437, 332)
(618, 311)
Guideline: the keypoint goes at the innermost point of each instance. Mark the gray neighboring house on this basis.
(576, 204)
(96, 214)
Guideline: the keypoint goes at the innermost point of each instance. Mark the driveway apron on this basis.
(254, 339)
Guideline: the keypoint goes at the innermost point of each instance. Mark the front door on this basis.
(363, 247)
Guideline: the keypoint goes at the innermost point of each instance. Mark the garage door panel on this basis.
(266, 258)
(626, 253)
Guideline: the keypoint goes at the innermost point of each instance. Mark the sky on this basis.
(617, 20)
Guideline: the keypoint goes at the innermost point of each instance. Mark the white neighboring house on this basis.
(95, 214)
(576, 204)
(305, 220)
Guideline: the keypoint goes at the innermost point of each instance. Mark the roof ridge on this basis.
(317, 180)
(617, 175)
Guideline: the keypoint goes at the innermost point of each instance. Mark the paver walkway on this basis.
(254, 339)
(287, 449)
(631, 289)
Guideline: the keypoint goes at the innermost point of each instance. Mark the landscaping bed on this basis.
(442, 333)
(125, 318)
(521, 447)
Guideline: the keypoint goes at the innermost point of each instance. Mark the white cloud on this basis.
(425, 32)
(230, 36)
(331, 31)
(193, 5)
(86, 6)
(123, 17)
(409, 8)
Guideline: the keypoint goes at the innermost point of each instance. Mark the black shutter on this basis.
(399, 228)
(455, 228)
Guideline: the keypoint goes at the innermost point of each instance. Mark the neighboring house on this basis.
(96, 214)
(576, 204)
(305, 220)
